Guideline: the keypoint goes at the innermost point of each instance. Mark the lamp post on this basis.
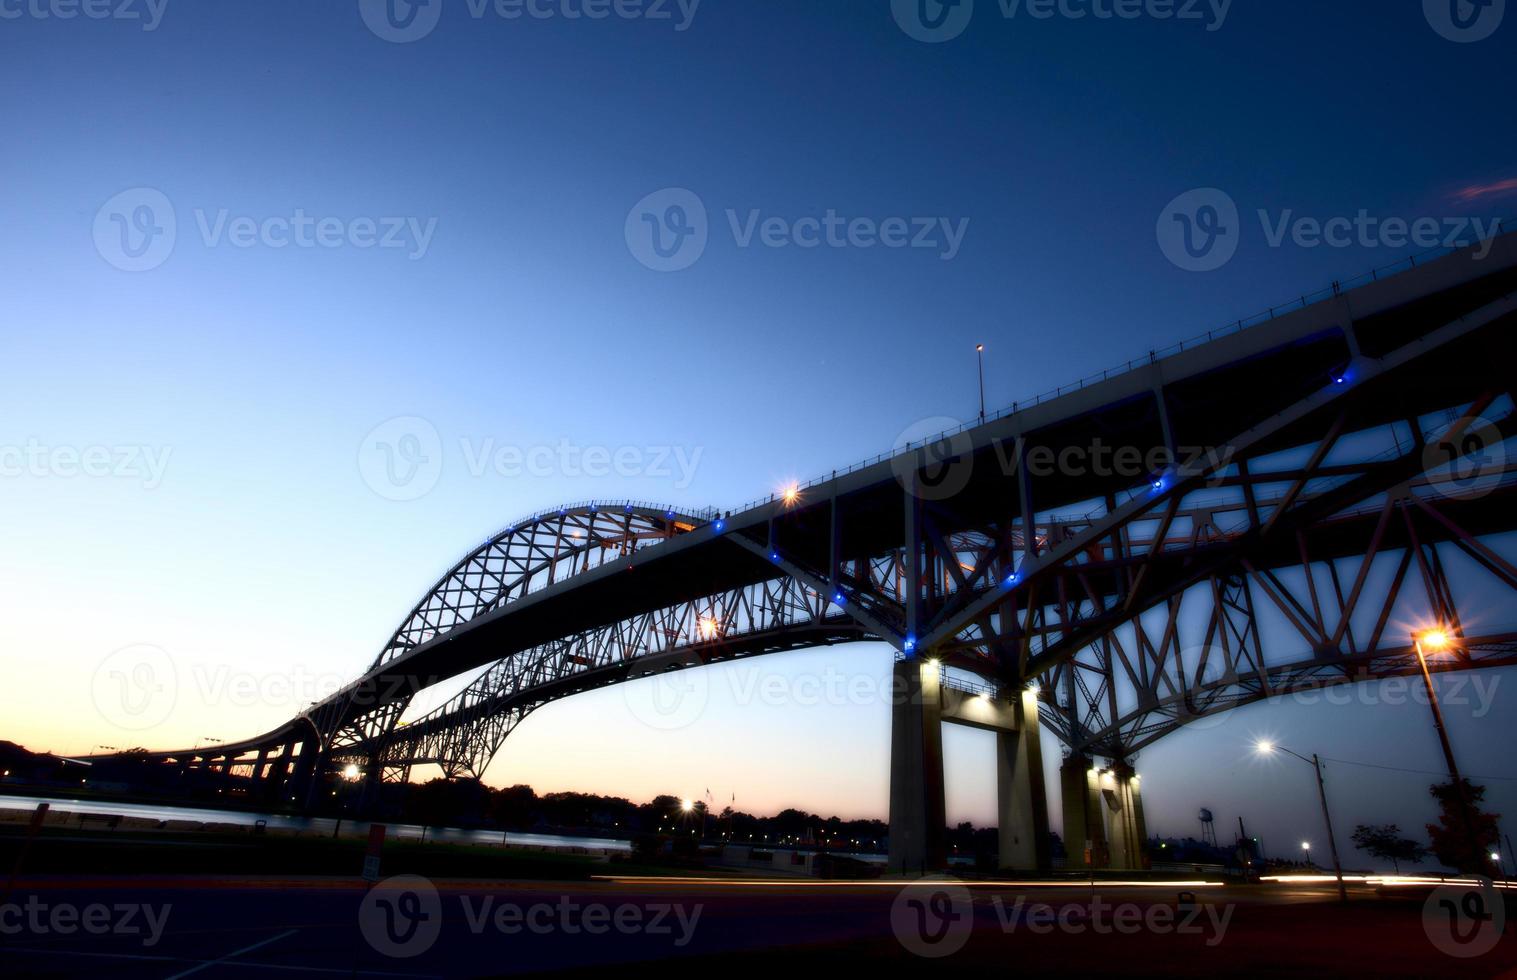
(1332, 842)
(979, 350)
(1306, 849)
(1437, 640)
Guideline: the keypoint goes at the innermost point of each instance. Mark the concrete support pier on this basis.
(917, 813)
(1022, 796)
(918, 816)
(1103, 816)
(1126, 829)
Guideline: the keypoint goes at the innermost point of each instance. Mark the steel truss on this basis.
(1135, 611)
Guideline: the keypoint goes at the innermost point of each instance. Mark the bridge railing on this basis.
(1337, 288)
(701, 514)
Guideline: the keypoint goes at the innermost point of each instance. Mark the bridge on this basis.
(1267, 511)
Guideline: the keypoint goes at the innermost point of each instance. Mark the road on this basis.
(266, 927)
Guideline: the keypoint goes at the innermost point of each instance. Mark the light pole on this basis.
(979, 350)
(1306, 848)
(1332, 842)
(1437, 641)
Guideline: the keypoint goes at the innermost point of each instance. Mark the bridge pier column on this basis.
(303, 782)
(918, 815)
(1124, 807)
(1084, 820)
(373, 781)
(1022, 799)
(1021, 795)
(276, 791)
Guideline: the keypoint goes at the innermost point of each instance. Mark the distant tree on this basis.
(446, 802)
(513, 806)
(1384, 841)
(1449, 836)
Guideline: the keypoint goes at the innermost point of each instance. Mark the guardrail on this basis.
(1338, 288)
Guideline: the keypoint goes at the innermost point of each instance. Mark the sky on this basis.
(724, 244)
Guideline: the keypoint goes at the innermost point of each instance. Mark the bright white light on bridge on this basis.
(1434, 640)
(350, 772)
(1265, 745)
(709, 627)
(790, 495)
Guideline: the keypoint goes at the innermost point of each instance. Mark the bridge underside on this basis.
(1296, 498)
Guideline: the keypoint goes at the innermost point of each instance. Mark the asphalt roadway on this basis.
(268, 927)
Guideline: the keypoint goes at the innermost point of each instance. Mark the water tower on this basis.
(1208, 832)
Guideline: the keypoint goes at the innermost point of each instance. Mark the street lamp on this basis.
(1437, 640)
(1306, 848)
(979, 350)
(1267, 747)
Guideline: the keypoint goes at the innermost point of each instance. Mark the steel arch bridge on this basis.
(1324, 480)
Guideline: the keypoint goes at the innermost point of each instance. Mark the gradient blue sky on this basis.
(265, 555)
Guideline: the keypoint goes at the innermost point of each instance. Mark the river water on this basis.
(286, 821)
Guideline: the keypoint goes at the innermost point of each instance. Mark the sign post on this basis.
(371, 856)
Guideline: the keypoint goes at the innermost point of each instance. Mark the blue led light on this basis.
(911, 643)
(1011, 580)
(774, 556)
(720, 526)
(838, 598)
